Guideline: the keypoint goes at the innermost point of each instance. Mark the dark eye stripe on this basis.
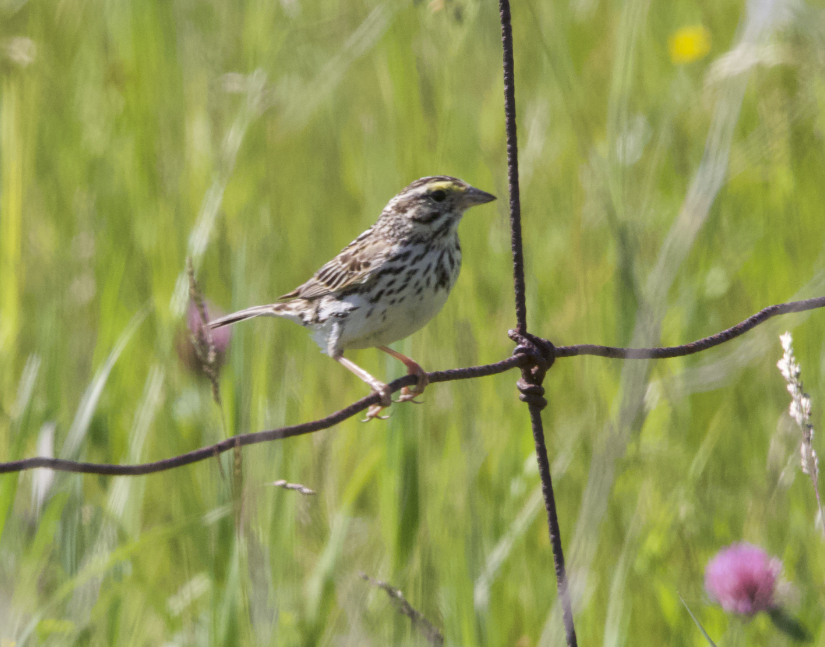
(430, 217)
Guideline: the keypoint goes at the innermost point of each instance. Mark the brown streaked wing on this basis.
(353, 265)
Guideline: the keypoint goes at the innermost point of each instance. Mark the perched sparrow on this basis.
(387, 283)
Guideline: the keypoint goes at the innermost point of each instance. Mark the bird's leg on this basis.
(379, 387)
(407, 394)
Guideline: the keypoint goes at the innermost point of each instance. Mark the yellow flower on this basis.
(689, 44)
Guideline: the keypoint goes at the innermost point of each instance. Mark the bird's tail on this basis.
(272, 310)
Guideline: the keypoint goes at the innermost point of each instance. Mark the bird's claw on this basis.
(407, 394)
(374, 413)
(375, 409)
(410, 395)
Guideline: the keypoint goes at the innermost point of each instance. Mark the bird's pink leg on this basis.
(408, 395)
(376, 385)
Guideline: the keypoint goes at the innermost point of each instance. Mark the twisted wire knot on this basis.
(542, 354)
(532, 394)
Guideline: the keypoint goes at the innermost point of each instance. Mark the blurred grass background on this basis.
(671, 186)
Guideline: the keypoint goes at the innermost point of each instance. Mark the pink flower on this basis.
(220, 336)
(742, 578)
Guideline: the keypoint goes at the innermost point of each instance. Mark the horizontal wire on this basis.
(469, 373)
(696, 346)
(254, 438)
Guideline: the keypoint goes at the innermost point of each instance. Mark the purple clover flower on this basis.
(742, 579)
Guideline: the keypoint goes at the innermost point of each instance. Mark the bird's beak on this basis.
(475, 196)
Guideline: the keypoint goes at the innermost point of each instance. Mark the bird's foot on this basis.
(375, 409)
(409, 394)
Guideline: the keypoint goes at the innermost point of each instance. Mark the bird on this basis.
(386, 284)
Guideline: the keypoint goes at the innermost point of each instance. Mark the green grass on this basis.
(260, 138)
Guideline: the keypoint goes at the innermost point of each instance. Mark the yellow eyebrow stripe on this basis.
(445, 186)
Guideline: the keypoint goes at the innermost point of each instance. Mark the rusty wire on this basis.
(696, 346)
(521, 357)
(541, 352)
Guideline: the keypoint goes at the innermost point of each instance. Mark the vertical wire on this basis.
(521, 319)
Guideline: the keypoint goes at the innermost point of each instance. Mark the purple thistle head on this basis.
(742, 579)
(220, 336)
(195, 328)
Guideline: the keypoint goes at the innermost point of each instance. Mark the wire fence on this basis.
(533, 356)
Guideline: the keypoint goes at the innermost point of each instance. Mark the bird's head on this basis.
(436, 203)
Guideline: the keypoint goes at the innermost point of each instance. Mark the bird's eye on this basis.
(439, 196)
